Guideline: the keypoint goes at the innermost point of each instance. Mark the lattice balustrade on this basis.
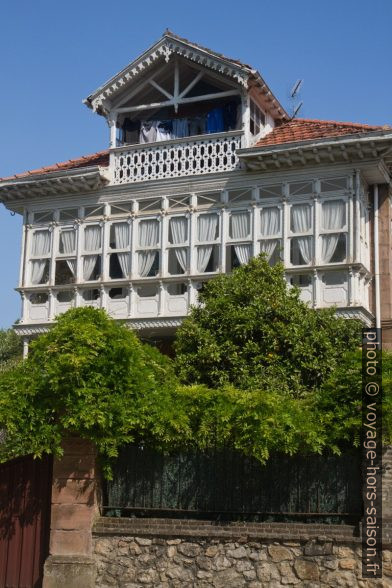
(171, 159)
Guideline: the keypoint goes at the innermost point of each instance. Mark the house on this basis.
(205, 169)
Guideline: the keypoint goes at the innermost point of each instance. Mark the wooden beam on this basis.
(173, 101)
(193, 83)
(160, 89)
(344, 152)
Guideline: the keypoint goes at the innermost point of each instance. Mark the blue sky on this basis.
(54, 54)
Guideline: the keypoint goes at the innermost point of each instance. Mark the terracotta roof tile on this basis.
(302, 129)
(99, 158)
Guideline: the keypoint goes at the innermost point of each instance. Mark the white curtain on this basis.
(40, 246)
(240, 229)
(332, 219)
(270, 221)
(92, 238)
(206, 231)
(242, 252)
(68, 245)
(92, 242)
(121, 241)
(301, 217)
(179, 234)
(148, 237)
(240, 226)
(268, 247)
(41, 243)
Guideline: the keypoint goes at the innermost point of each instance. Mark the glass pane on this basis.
(65, 295)
(90, 294)
(147, 290)
(41, 243)
(239, 227)
(178, 230)
(333, 215)
(119, 236)
(118, 293)
(178, 260)
(301, 250)
(270, 221)
(65, 271)
(92, 238)
(67, 243)
(207, 227)
(69, 214)
(177, 289)
(301, 218)
(301, 280)
(39, 298)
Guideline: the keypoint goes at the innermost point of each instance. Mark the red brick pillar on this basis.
(74, 506)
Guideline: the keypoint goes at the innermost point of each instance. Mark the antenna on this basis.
(294, 94)
(296, 88)
(297, 109)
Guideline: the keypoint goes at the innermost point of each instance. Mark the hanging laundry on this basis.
(230, 116)
(197, 126)
(215, 122)
(164, 130)
(180, 128)
(148, 131)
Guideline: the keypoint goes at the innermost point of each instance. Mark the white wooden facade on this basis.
(140, 235)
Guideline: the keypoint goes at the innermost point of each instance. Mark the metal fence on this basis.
(226, 484)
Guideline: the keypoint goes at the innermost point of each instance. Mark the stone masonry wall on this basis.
(158, 553)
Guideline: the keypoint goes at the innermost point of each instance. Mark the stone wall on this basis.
(158, 553)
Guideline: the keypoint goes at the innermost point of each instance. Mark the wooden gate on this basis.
(25, 493)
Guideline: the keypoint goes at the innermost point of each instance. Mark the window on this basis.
(301, 247)
(239, 230)
(257, 118)
(207, 233)
(43, 216)
(270, 231)
(148, 241)
(120, 261)
(65, 296)
(92, 247)
(39, 298)
(65, 271)
(118, 293)
(40, 257)
(68, 214)
(178, 235)
(91, 294)
(177, 289)
(332, 229)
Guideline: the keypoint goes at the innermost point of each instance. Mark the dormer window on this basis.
(257, 118)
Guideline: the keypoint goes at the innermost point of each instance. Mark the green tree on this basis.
(10, 347)
(92, 377)
(252, 330)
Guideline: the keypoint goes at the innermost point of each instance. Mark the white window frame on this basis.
(185, 244)
(309, 233)
(344, 230)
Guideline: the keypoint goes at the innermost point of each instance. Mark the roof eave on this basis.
(249, 152)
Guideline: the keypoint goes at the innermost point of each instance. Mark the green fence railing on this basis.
(226, 484)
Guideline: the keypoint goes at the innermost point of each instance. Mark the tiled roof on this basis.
(99, 158)
(302, 129)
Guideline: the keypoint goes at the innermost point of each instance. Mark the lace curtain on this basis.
(40, 246)
(332, 218)
(68, 246)
(179, 234)
(240, 229)
(270, 225)
(206, 231)
(301, 218)
(92, 242)
(148, 237)
(121, 241)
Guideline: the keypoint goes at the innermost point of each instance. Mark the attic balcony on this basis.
(186, 156)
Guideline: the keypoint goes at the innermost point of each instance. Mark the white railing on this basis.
(188, 156)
